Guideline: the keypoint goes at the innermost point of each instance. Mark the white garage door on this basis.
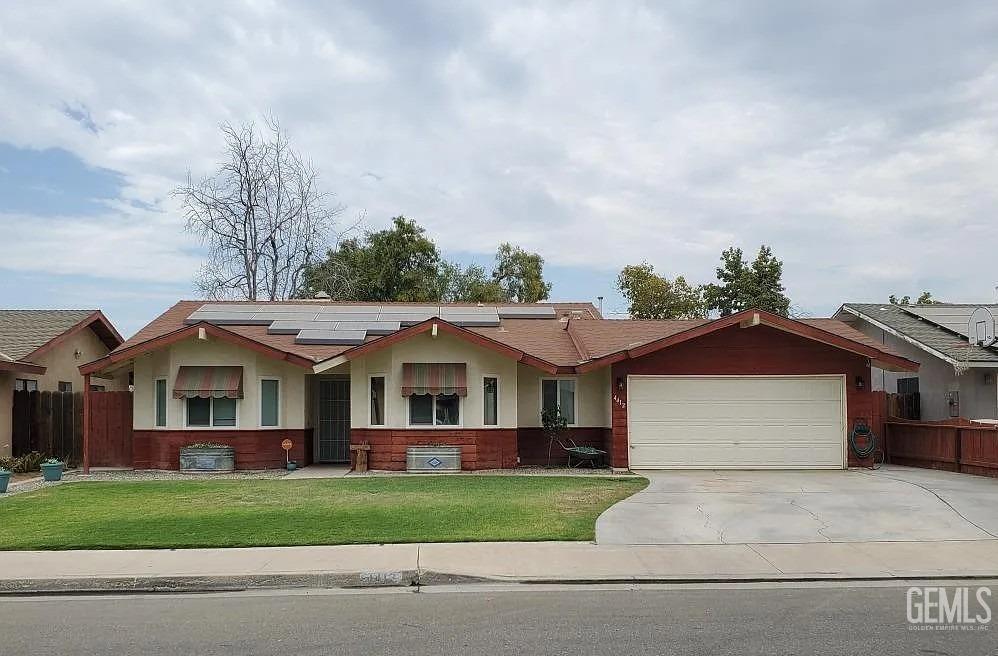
(735, 422)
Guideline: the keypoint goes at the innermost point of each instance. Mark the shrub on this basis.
(29, 462)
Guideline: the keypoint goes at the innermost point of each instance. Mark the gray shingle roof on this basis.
(24, 331)
(905, 320)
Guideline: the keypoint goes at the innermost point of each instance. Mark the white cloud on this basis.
(860, 146)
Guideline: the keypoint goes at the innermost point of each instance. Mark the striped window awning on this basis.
(208, 382)
(434, 378)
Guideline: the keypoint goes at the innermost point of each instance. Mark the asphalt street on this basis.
(721, 619)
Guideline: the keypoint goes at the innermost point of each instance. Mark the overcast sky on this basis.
(857, 138)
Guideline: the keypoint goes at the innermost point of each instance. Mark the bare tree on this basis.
(262, 216)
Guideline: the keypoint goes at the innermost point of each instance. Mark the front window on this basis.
(65, 386)
(491, 393)
(25, 385)
(559, 393)
(205, 413)
(270, 402)
(434, 410)
(377, 400)
(161, 402)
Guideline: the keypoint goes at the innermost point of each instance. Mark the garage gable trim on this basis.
(748, 319)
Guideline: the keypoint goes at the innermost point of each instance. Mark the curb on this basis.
(169, 584)
(398, 579)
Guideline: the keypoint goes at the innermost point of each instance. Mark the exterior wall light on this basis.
(860, 383)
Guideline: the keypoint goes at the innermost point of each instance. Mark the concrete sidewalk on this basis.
(409, 564)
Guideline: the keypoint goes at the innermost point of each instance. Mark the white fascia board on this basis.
(326, 365)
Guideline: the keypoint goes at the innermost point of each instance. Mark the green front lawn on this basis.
(228, 513)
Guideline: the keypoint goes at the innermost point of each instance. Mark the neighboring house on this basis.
(43, 349)
(748, 390)
(956, 378)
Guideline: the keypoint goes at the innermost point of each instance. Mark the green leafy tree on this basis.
(467, 285)
(924, 299)
(651, 296)
(742, 285)
(399, 263)
(520, 275)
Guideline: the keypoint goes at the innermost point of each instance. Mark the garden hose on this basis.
(863, 442)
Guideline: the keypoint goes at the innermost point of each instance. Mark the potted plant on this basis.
(555, 424)
(292, 465)
(52, 470)
(4, 480)
(207, 457)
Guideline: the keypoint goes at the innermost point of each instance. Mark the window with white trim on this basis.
(25, 385)
(377, 388)
(434, 410)
(559, 393)
(270, 402)
(211, 413)
(160, 402)
(490, 397)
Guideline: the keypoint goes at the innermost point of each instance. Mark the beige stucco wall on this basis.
(592, 391)
(6, 412)
(425, 348)
(62, 364)
(166, 362)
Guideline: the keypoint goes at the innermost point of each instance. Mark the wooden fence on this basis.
(48, 422)
(52, 423)
(110, 429)
(956, 445)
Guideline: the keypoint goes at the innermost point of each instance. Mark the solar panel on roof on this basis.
(350, 309)
(348, 316)
(331, 337)
(410, 309)
(232, 307)
(490, 310)
(526, 312)
(372, 327)
(406, 319)
(294, 327)
(287, 316)
(469, 320)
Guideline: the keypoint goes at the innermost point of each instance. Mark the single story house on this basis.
(42, 350)
(751, 390)
(956, 377)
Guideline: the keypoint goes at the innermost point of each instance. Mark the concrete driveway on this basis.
(744, 507)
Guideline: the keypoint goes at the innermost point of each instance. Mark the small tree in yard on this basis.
(262, 216)
(554, 424)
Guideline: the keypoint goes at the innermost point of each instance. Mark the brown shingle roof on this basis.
(546, 339)
(22, 332)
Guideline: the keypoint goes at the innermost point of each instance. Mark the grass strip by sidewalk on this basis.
(226, 513)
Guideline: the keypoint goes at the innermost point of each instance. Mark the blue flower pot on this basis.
(4, 480)
(52, 472)
(292, 466)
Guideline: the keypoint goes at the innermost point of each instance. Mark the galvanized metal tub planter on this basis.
(205, 458)
(433, 458)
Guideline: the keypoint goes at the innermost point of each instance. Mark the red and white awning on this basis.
(434, 378)
(208, 382)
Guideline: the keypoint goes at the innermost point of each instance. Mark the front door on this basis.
(333, 439)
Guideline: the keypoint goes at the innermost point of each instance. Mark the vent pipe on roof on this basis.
(600, 299)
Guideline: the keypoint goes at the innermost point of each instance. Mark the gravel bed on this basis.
(75, 476)
(519, 471)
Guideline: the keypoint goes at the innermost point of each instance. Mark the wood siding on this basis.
(255, 449)
(533, 445)
(494, 448)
